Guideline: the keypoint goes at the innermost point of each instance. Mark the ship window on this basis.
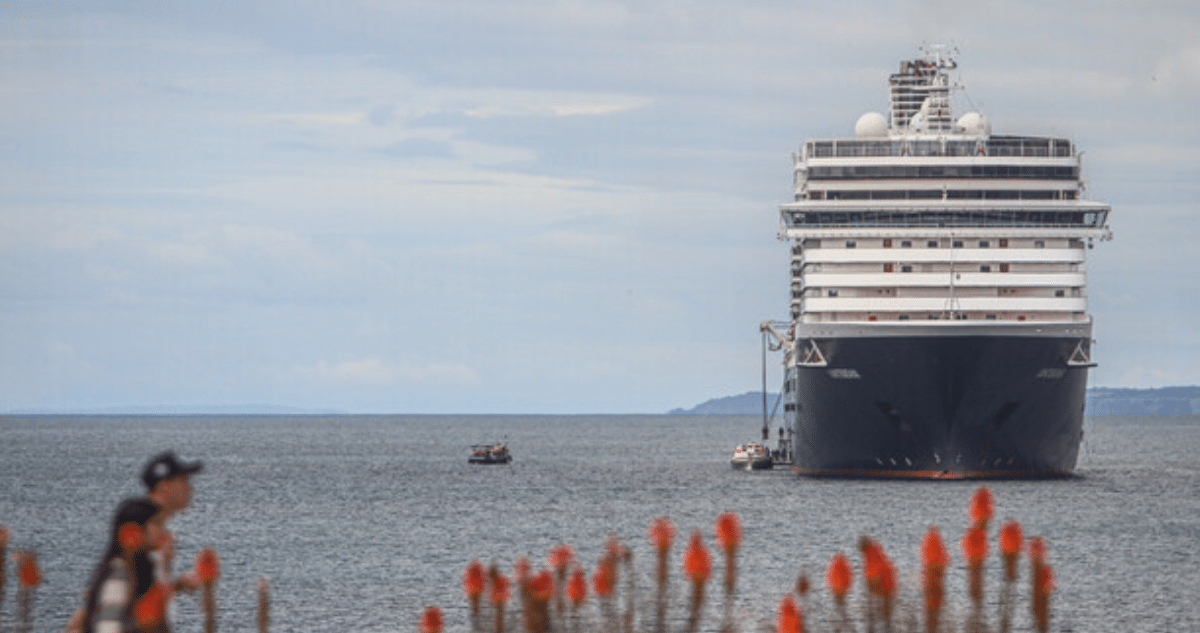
(851, 244)
(958, 244)
(906, 244)
(906, 269)
(1003, 268)
(833, 293)
(1003, 243)
(932, 244)
(1039, 244)
(887, 268)
(991, 317)
(903, 317)
(985, 268)
(984, 244)
(932, 317)
(1060, 293)
(887, 243)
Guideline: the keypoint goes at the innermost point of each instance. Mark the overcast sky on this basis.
(508, 207)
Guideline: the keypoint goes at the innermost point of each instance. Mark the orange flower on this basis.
(130, 536)
(604, 580)
(729, 531)
(577, 587)
(981, 507)
(431, 621)
(151, 607)
(662, 533)
(208, 566)
(561, 556)
(975, 545)
(614, 547)
(1011, 539)
(1037, 549)
(27, 569)
(697, 563)
(933, 550)
(791, 619)
(1045, 580)
(500, 590)
(875, 563)
(541, 586)
(887, 579)
(839, 576)
(474, 580)
(521, 569)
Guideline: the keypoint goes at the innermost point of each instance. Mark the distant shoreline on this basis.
(1100, 401)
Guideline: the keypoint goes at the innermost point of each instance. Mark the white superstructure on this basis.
(922, 217)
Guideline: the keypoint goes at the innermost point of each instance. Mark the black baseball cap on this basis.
(166, 465)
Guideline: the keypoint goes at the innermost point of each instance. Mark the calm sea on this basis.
(362, 521)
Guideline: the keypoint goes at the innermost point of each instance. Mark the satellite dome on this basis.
(870, 125)
(975, 124)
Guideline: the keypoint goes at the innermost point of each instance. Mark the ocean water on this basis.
(362, 521)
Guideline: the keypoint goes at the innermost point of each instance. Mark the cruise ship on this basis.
(939, 318)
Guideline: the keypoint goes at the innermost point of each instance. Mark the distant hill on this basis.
(747, 403)
(1100, 401)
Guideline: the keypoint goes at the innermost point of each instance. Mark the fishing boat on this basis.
(751, 456)
(490, 454)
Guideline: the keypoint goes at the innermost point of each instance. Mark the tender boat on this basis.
(751, 456)
(490, 454)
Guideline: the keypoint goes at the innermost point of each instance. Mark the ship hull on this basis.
(939, 406)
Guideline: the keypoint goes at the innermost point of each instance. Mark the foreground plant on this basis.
(564, 585)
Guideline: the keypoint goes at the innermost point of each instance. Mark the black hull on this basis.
(939, 406)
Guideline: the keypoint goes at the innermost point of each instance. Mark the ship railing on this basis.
(1002, 146)
(991, 218)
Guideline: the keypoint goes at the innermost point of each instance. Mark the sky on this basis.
(529, 206)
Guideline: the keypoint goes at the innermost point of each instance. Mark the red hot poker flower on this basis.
(981, 507)
(521, 569)
(208, 566)
(561, 556)
(875, 562)
(975, 545)
(1045, 580)
(1011, 539)
(933, 550)
(839, 576)
(729, 531)
(500, 590)
(28, 571)
(1037, 549)
(662, 533)
(697, 562)
(541, 586)
(603, 581)
(432, 621)
(577, 587)
(791, 619)
(474, 580)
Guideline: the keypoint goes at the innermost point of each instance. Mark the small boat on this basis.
(751, 456)
(490, 454)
